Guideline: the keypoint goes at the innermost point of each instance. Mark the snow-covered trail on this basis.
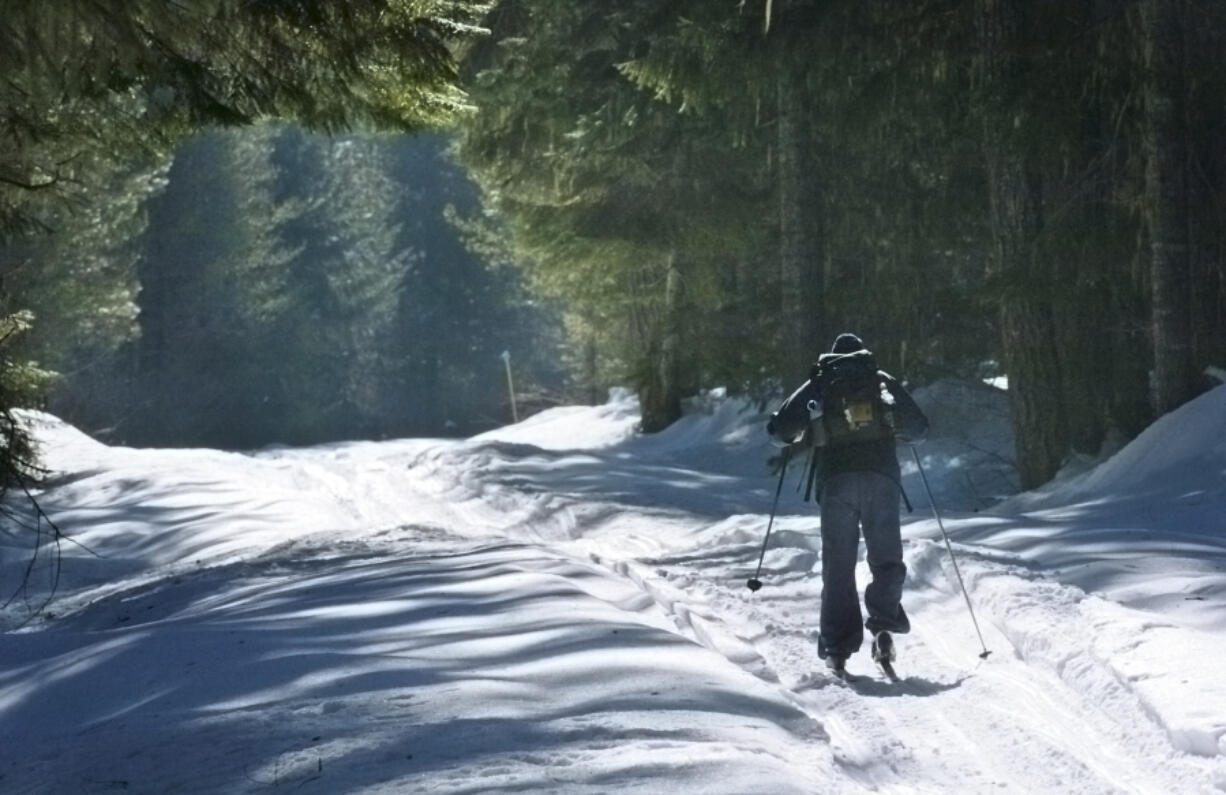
(1056, 721)
(410, 661)
(561, 607)
(1047, 712)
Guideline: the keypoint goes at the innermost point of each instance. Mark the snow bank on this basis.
(969, 454)
(575, 427)
(1140, 539)
(1179, 459)
(1145, 527)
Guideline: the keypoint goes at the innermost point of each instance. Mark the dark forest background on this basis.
(297, 288)
(217, 229)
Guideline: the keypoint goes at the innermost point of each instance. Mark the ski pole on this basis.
(932, 502)
(754, 583)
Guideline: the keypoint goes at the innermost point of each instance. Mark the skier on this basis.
(852, 413)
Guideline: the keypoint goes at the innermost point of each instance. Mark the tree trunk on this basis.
(1079, 318)
(661, 398)
(1040, 421)
(1167, 201)
(1015, 193)
(800, 213)
(1207, 333)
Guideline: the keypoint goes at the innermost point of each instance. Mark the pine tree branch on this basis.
(30, 185)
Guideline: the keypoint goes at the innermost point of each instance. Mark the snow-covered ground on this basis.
(560, 606)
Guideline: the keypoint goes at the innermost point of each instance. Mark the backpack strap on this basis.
(811, 477)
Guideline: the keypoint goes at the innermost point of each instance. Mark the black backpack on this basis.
(856, 407)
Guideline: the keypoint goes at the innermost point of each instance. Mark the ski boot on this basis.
(838, 667)
(883, 648)
(884, 653)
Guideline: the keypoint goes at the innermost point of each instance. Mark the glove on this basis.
(782, 437)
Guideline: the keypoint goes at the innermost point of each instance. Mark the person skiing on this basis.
(853, 413)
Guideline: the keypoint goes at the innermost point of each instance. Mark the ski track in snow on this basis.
(655, 546)
(947, 720)
(1043, 714)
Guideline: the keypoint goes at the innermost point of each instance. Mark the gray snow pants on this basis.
(852, 501)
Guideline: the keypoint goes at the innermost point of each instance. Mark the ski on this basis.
(844, 676)
(887, 668)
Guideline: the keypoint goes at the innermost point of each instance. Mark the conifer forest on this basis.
(232, 224)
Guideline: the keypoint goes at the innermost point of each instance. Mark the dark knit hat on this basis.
(847, 343)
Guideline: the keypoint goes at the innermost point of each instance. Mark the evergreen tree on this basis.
(1168, 199)
(211, 281)
(456, 312)
(90, 85)
(625, 210)
(340, 282)
(300, 288)
(964, 184)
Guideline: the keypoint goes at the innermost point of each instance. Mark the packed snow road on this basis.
(560, 606)
(1047, 712)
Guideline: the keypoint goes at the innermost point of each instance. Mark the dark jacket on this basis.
(793, 417)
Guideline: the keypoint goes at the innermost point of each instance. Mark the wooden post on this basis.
(506, 359)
